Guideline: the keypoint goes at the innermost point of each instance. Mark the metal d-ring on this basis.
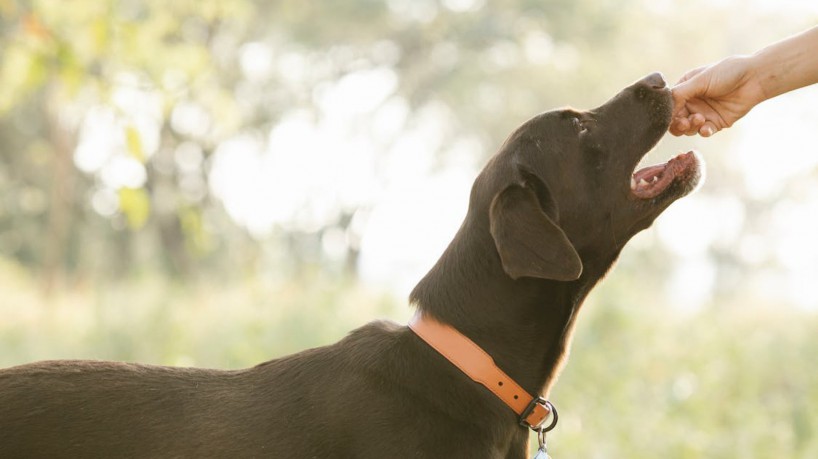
(542, 430)
(554, 414)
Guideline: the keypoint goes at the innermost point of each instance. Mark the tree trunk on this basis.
(61, 195)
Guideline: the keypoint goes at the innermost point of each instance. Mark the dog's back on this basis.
(71, 408)
(286, 407)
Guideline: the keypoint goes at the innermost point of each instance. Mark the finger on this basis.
(679, 104)
(695, 122)
(680, 109)
(691, 85)
(679, 126)
(707, 112)
(691, 73)
(683, 92)
(708, 129)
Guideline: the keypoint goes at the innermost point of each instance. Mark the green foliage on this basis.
(717, 384)
(641, 382)
(134, 144)
(135, 205)
(210, 324)
(488, 68)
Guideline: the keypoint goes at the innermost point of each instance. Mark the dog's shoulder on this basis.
(368, 343)
(377, 331)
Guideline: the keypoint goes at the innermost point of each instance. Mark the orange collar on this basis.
(479, 366)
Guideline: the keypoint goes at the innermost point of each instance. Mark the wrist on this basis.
(786, 65)
(764, 73)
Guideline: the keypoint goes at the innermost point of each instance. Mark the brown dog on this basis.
(548, 216)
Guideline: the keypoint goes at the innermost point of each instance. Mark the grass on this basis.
(642, 381)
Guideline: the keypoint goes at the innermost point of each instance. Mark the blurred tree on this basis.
(113, 111)
(69, 75)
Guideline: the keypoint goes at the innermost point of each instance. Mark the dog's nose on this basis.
(654, 81)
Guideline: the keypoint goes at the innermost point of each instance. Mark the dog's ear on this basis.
(530, 243)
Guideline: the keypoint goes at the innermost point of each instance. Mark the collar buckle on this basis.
(538, 427)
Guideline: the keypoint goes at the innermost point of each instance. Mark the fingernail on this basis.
(707, 131)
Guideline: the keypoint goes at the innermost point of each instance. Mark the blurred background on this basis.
(219, 183)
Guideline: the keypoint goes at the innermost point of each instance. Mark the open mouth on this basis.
(652, 181)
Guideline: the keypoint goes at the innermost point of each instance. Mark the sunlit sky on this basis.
(366, 150)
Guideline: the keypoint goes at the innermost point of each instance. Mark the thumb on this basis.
(691, 85)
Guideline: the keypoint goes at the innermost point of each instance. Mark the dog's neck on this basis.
(524, 324)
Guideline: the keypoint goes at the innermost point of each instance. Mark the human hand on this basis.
(710, 98)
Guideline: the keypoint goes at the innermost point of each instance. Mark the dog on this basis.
(547, 217)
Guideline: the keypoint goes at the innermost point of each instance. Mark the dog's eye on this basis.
(580, 125)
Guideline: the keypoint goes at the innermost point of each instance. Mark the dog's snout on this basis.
(654, 81)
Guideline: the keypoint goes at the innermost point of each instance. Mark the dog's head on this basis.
(562, 194)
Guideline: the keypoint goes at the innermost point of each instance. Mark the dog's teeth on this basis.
(655, 179)
(642, 182)
(633, 183)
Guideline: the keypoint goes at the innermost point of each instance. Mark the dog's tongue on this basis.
(651, 181)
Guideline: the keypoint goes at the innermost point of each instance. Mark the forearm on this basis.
(789, 64)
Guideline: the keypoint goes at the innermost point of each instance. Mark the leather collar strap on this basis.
(479, 366)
